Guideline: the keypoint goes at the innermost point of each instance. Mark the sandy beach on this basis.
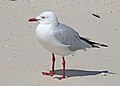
(22, 58)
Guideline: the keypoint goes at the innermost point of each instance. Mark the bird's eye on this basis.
(43, 17)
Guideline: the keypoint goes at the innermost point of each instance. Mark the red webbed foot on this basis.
(50, 73)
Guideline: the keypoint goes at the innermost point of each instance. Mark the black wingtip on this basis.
(104, 45)
(94, 44)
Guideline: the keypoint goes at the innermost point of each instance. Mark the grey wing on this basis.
(67, 36)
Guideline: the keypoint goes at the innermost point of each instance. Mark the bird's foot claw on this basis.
(50, 73)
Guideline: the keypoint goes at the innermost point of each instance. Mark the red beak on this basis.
(32, 20)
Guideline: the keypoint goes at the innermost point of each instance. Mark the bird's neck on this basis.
(53, 24)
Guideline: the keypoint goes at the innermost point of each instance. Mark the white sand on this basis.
(22, 58)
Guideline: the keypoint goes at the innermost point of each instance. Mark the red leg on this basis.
(53, 64)
(63, 76)
(63, 63)
(51, 73)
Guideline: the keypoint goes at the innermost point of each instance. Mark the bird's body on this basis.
(46, 37)
(59, 38)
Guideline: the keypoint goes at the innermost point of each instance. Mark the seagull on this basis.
(59, 39)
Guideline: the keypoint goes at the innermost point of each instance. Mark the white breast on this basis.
(46, 37)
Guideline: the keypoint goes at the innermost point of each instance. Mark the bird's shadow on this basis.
(75, 73)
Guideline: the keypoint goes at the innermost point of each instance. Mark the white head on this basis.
(47, 17)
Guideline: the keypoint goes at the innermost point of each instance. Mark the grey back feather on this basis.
(67, 36)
